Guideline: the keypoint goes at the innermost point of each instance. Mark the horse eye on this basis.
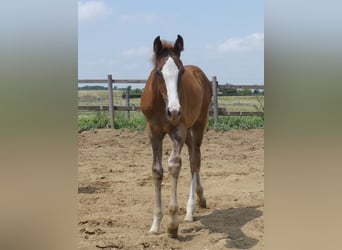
(159, 73)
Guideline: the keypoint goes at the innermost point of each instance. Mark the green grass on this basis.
(236, 122)
(100, 119)
(100, 97)
(241, 103)
(136, 121)
(92, 97)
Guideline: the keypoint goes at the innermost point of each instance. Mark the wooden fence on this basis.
(215, 110)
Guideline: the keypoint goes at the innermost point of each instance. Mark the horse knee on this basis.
(157, 174)
(175, 165)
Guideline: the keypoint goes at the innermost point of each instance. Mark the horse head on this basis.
(169, 69)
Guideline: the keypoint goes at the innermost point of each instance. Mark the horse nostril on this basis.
(173, 113)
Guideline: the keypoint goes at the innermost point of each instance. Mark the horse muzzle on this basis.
(173, 114)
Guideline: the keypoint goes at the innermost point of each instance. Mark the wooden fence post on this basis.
(215, 101)
(111, 103)
(128, 115)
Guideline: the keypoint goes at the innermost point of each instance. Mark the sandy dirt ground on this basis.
(115, 193)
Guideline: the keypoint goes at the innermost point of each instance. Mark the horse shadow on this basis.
(229, 222)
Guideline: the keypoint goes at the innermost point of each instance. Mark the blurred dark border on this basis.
(38, 128)
(303, 139)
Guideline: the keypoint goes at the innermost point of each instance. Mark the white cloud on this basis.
(241, 44)
(91, 10)
(141, 51)
(138, 18)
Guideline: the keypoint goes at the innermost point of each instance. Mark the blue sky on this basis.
(223, 37)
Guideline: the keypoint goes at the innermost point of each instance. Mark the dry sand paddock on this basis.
(115, 194)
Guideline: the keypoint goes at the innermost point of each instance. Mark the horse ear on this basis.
(179, 45)
(157, 45)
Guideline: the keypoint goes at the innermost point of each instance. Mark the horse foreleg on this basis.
(157, 178)
(175, 164)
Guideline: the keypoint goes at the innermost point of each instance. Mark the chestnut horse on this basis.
(175, 101)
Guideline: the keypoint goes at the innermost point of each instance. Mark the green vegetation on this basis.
(133, 93)
(136, 121)
(236, 122)
(241, 103)
(97, 120)
(92, 97)
(92, 88)
(100, 119)
(239, 92)
(260, 106)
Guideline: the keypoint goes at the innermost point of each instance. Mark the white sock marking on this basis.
(155, 224)
(190, 207)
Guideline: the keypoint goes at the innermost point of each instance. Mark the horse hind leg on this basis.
(194, 145)
(190, 207)
(197, 167)
(199, 191)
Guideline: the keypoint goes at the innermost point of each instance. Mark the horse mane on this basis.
(167, 46)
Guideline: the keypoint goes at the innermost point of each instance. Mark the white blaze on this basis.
(170, 74)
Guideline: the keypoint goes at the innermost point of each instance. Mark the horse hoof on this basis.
(172, 232)
(189, 218)
(153, 233)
